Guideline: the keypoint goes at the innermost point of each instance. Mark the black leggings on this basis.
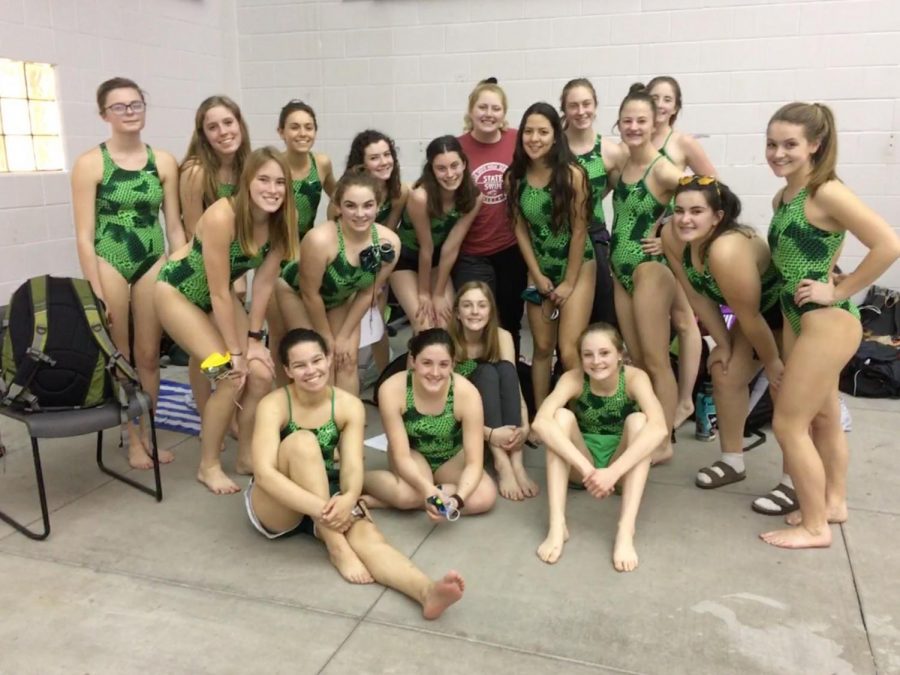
(498, 384)
(604, 308)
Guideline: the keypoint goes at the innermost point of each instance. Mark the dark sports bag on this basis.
(873, 372)
(56, 352)
(880, 311)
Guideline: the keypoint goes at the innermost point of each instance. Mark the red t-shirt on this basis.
(491, 232)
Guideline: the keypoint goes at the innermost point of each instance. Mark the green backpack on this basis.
(56, 352)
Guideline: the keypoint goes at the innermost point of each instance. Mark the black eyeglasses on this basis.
(122, 108)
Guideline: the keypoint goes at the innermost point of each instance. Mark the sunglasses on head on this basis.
(702, 181)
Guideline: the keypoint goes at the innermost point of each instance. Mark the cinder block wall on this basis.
(406, 67)
(179, 51)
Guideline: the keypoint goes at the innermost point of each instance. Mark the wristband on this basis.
(460, 504)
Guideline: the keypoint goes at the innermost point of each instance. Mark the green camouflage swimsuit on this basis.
(704, 283)
(438, 438)
(592, 162)
(440, 228)
(603, 414)
(307, 195)
(341, 279)
(800, 250)
(635, 211)
(384, 210)
(550, 248)
(188, 275)
(224, 190)
(127, 233)
(466, 368)
(327, 437)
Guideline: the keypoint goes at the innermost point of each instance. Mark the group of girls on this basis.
(515, 215)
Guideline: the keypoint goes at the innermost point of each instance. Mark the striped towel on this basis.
(176, 410)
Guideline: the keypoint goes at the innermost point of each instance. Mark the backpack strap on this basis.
(18, 390)
(117, 364)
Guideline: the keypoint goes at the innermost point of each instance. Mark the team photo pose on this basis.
(210, 170)
(597, 155)
(813, 212)
(645, 290)
(435, 429)
(198, 306)
(118, 190)
(489, 252)
(486, 356)
(601, 423)
(718, 261)
(439, 211)
(549, 202)
(311, 175)
(685, 152)
(308, 476)
(346, 263)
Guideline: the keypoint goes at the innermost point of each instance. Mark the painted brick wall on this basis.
(179, 51)
(406, 67)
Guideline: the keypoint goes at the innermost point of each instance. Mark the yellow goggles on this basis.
(702, 181)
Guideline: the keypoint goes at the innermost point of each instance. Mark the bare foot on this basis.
(216, 480)
(836, 514)
(683, 412)
(348, 563)
(552, 547)
(533, 438)
(243, 468)
(662, 454)
(509, 486)
(625, 557)
(798, 537)
(529, 487)
(443, 593)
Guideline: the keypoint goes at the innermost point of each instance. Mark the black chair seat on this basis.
(68, 423)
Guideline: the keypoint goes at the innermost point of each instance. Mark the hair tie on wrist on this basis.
(460, 504)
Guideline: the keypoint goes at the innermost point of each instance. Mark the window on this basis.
(29, 118)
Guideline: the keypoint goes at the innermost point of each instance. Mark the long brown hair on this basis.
(819, 127)
(201, 154)
(465, 195)
(490, 338)
(672, 82)
(282, 223)
(357, 157)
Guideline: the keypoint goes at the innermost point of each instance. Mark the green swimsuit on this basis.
(465, 368)
(384, 210)
(307, 195)
(438, 438)
(188, 275)
(635, 212)
(592, 162)
(550, 248)
(800, 250)
(341, 279)
(440, 228)
(704, 283)
(224, 190)
(326, 435)
(127, 233)
(601, 419)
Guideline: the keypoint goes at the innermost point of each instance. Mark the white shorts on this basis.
(268, 534)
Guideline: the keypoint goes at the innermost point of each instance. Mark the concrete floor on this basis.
(187, 586)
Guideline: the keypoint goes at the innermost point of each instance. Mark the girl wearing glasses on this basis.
(813, 212)
(718, 261)
(346, 262)
(256, 228)
(118, 190)
(311, 175)
(645, 289)
(548, 198)
(597, 155)
(601, 424)
(441, 207)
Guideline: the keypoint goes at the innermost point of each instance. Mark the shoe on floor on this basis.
(720, 473)
(779, 501)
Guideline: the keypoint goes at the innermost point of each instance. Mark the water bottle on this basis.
(705, 414)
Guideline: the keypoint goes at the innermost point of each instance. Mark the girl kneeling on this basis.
(434, 424)
(614, 425)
